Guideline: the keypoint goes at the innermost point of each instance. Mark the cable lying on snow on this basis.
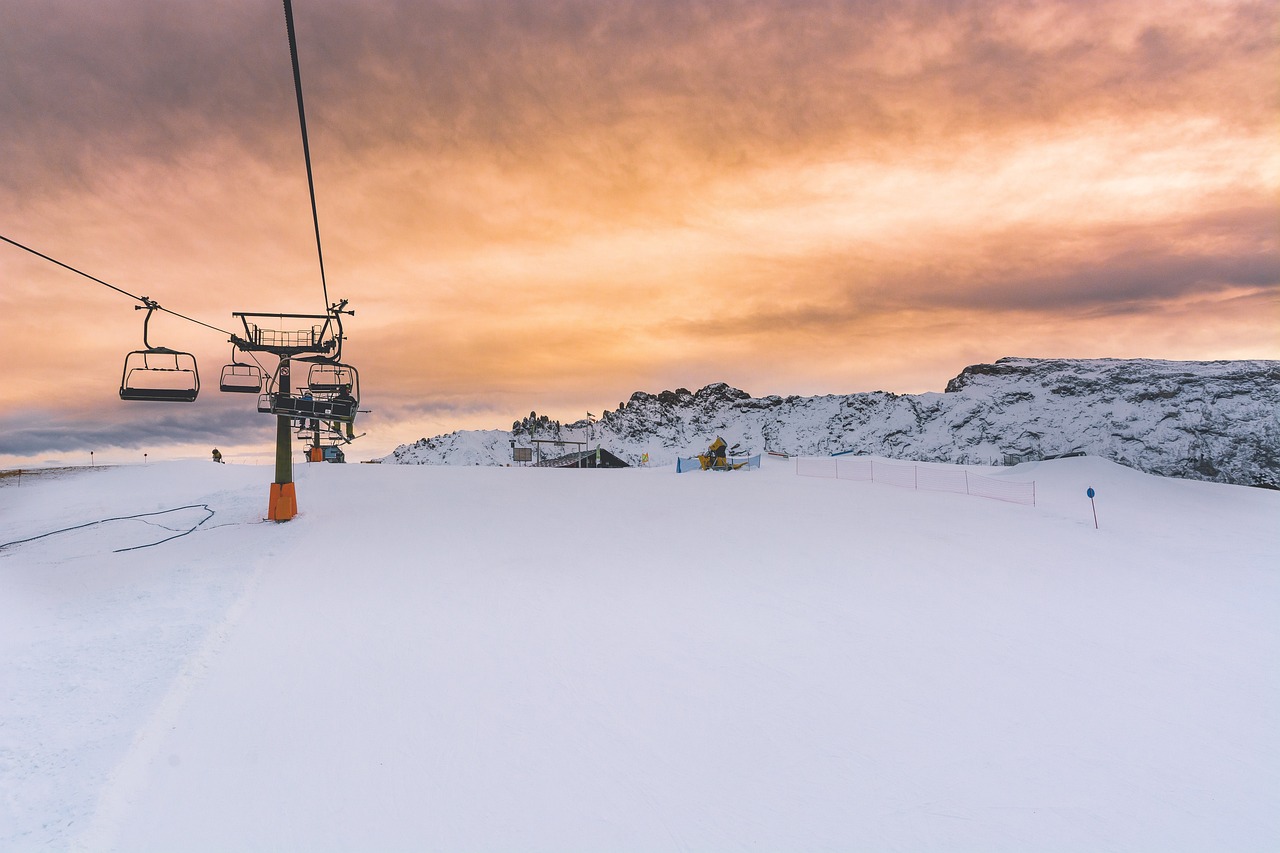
(205, 507)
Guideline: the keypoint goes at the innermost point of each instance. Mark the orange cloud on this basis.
(540, 205)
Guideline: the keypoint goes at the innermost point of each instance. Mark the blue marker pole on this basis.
(1090, 492)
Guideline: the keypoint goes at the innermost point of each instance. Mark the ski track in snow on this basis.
(107, 632)
(130, 777)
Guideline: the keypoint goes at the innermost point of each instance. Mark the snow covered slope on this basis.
(462, 658)
(1215, 421)
(463, 447)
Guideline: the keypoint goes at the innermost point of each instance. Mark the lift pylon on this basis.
(319, 341)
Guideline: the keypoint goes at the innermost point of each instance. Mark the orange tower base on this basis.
(283, 503)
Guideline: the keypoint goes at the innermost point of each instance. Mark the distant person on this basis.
(348, 403)
(313, 423)
(217, 455)
(344, 397)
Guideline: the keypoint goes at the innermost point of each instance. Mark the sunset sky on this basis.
(549, 205)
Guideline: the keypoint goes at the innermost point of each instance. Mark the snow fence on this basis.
(928, 478)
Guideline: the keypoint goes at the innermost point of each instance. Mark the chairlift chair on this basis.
(332, 393)
(325, 453)
(289, 405)
(159, 374)
(240, 378)
(331, 377)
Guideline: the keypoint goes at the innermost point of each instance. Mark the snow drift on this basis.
(450, 658)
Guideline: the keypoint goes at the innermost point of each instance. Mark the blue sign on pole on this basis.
(1090, 492)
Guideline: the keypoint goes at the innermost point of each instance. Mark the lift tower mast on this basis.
(319, 343)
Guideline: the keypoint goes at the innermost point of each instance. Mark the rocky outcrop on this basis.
(1215, 420)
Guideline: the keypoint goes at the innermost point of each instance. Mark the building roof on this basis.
(584, 459)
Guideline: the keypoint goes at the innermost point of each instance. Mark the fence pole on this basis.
(966, 481)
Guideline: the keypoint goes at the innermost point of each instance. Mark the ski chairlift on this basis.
(332, 393)
(331, 377)
(325, 453)
(240, 378)
(340, 408)
(336, 403)
(158, 374)
(335, 396)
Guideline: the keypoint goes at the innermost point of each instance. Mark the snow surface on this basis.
(445, 658)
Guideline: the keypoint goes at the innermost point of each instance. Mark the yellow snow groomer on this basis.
(717, 457)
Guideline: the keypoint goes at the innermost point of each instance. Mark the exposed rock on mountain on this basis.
(1215, 420)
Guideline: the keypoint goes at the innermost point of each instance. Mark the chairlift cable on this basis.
(144, 301)
(192, 320)
(306, 147)
(73, 269)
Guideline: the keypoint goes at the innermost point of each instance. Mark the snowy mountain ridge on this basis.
(1217, 421)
